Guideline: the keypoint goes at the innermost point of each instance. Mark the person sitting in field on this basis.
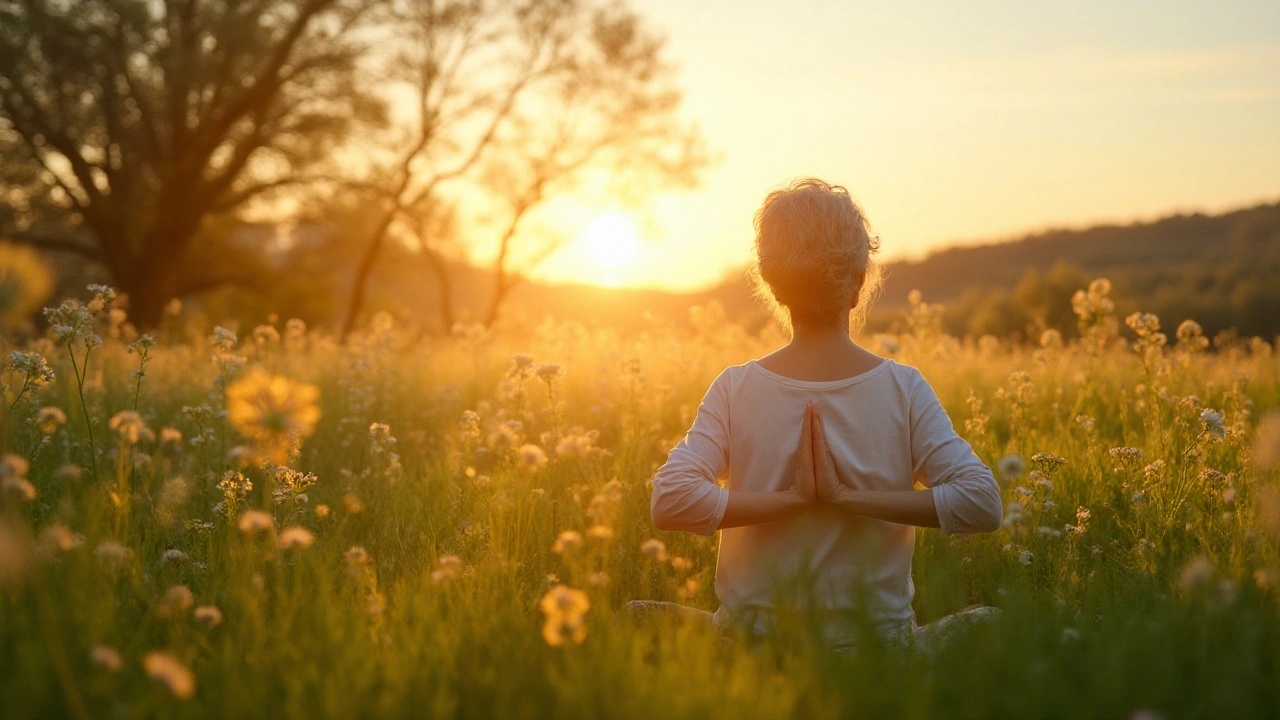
(820, 444)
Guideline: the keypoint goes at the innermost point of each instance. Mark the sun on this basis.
(612, 240)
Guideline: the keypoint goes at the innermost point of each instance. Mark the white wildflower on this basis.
(1213, 423)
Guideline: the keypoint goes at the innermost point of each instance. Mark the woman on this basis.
(819, 444)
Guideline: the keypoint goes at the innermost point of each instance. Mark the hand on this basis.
(907, 507)
(804, 486)
(827, 481)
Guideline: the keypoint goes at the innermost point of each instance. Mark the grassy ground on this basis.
(1133, 580)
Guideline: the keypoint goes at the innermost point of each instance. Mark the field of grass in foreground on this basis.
(464, 517)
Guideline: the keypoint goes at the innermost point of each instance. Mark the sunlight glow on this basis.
(612, 240)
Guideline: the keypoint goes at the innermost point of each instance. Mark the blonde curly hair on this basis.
(813, 249)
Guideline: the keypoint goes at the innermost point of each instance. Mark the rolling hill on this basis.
(1221, 270)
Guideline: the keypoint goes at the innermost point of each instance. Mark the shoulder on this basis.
(906, 377)
(718, 400)
(734, 373)
(729, 379)
(908, 373)
(912, 385)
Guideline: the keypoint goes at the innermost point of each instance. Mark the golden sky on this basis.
(957, 121)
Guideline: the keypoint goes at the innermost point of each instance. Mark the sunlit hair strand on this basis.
(813, 255)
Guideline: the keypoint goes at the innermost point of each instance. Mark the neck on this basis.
(821, 334)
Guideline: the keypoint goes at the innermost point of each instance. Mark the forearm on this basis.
(753, 508)
(906, 507)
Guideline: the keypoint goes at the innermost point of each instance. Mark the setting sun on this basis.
(612, 240)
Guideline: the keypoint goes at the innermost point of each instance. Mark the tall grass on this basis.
(1133, 580)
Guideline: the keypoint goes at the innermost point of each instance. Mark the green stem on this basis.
(84, 406)
(137, 388)
(1182, 490)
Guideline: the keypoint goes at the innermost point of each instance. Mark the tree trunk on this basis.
(355, 305)
(500, 290)
(149, 292)
(153, 273)
(441, 269)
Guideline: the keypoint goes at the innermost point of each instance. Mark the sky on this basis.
(958, 121)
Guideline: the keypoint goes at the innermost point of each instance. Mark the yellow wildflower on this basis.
(13, 481)
(274, 411)
(253, 522)
(170, 672)
(177, 600)
(296, 537)
(57, 539)
(564, 608)
(128, 426)
(208, 615)
(562, 600)
(25, 282)
(563, 629)
(689, 589)
(567, 541)
(352, 503)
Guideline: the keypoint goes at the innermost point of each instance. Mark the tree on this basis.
(1046, 299)
(126, 124)
(516, 104)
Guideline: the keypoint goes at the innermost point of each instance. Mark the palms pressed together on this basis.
(817, 481)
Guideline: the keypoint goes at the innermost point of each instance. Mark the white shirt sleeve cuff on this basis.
(722, 502)
(942, 502)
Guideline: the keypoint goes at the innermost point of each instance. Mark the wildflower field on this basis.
(266, 523)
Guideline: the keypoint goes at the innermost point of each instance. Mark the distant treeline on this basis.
(1221, 270)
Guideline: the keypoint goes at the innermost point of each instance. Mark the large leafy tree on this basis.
(125, 125)
(511, 106)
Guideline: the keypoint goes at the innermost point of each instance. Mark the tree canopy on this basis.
(140, 133)
(124, 124)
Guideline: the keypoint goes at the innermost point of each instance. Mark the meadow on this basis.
(266, 523)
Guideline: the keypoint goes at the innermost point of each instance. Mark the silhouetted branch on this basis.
(54, 242)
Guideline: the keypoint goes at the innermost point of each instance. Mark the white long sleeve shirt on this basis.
(883, 426)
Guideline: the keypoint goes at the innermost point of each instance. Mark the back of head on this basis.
(813, 253)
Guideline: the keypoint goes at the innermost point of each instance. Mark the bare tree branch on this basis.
(54, 242)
